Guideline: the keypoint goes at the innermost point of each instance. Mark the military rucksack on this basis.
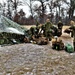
(69, 48)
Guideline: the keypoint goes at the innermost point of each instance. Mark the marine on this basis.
(72, 27)
(47, 28)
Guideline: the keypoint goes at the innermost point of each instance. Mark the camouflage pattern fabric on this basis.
(11, 38)
(48, 25)
(9, 24)
(73, 34)
(73, 29)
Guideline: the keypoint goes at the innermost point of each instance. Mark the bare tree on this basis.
(12, 6)
(30, 5)
(72, 8)
(57, 5)
(3, 8)
(41, 10)
(50, 4)
(51, 7)
(16, 3)
(9, 9)
(20, 17)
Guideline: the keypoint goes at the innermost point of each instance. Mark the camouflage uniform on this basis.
(48, 26)
(31, 32)
(34, 31)
(37, 23)
(73, 29)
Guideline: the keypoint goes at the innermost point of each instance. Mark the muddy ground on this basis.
(32, 59)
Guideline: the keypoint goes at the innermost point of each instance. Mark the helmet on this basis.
(55, 37)
(48, 20)
(72, 22)
(59, 22)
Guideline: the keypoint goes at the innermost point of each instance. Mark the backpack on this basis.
(69, 48)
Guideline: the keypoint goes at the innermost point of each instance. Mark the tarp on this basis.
(7, 25)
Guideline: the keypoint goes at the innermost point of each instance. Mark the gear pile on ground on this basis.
(13, 33)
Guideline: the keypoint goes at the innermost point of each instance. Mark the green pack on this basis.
(69, 48)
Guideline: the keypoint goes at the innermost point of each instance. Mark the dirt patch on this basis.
(32, 59)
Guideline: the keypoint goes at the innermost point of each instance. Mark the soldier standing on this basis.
(47, 26)
(73, 29)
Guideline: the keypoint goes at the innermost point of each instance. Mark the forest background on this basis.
(29, 12)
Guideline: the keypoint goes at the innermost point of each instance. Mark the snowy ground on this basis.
(32, 59)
